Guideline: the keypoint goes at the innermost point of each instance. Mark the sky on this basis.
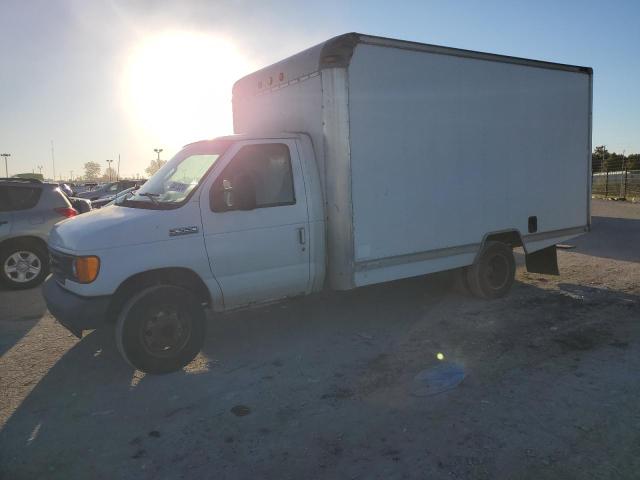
(108, 78)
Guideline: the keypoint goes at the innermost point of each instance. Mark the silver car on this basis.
(28, 210)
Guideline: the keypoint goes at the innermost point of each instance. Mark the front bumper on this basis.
(74, 312)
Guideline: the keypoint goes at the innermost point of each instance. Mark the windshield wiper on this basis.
(151, 196)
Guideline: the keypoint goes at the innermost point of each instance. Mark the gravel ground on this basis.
(324, 387)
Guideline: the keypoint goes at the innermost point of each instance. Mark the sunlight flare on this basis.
(177, 86)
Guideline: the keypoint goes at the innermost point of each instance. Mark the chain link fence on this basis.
(615, 178)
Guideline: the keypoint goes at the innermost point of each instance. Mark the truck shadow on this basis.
(91, 407)
(92, 399)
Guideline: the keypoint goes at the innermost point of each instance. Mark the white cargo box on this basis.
(423, 150)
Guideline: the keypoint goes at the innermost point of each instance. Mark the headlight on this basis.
(85, 269)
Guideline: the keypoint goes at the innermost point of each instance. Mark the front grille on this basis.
(61, 265)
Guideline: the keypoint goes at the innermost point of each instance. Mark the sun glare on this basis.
(178, 86)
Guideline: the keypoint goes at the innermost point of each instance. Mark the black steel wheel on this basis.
(493, 273)
(161, 329)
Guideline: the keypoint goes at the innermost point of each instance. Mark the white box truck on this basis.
(358, 161)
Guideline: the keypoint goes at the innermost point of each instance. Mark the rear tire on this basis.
(493, 273)
(161, 329)
(23, 264)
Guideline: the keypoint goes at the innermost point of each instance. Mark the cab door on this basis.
(255, 223)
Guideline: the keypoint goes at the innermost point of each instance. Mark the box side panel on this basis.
(445, 149)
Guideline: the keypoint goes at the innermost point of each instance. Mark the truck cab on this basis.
(225, 224)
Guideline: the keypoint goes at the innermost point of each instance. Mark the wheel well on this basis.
(26, 239)
(510, 237)
(181, 277)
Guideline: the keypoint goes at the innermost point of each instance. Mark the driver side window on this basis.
(259, 176)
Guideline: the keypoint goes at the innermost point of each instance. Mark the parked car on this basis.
(82, 205)
(83, 187)
(28, 210)
(108, 189)
(365, 160)
(109, 199)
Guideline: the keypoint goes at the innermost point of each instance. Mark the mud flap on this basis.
(543, 261)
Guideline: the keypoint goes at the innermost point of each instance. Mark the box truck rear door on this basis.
(256, 223)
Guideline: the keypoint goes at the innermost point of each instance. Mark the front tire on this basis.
(23, 264)
(493, 273)
(161, 329)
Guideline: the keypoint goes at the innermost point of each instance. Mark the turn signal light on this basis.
(86, 269)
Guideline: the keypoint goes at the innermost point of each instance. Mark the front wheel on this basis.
(161, 329)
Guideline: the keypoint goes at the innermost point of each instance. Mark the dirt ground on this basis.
(324, 387)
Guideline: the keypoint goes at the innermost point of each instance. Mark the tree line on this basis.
(602, 160)
(93, 171)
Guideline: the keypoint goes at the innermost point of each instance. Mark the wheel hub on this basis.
(165, 331)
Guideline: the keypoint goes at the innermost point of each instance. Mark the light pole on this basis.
(6, 168)
(109, 162)
(71, 176)
(53, 162)
(158, 150)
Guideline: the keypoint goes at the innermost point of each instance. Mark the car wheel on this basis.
(493, 273)
(23, 265)
(161, 329)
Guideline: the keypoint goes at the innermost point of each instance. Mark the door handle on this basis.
(301, 236)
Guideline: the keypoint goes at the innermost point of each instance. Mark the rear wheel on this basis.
(161, 329)
(493, 273)
(23, 264)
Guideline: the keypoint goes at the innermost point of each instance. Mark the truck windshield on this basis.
(175, 182)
